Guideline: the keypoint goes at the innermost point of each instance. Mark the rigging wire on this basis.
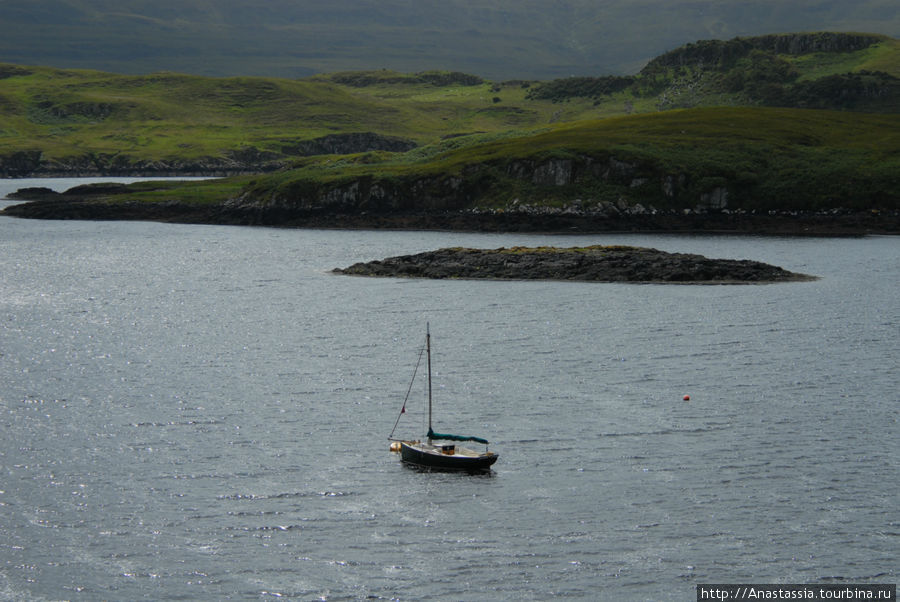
(405, 399)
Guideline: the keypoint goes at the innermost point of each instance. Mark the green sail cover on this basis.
(443, 437)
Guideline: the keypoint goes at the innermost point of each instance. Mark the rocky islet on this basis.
(593, 264)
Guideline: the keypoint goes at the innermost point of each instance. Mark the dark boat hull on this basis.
(433, 458)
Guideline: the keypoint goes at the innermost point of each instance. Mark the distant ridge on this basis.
(495, 39)
(822, 70)
(725, 52)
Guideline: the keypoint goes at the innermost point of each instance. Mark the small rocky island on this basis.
(594, 263)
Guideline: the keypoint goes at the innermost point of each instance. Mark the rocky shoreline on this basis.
(589, 264)
(79, 203)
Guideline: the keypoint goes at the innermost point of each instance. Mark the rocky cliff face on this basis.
(345, 144)
(20, 164)
(480, 185)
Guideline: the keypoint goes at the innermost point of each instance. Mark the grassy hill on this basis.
(66, 115)
(741, 158)
(88, 122)
(799, 122)
(744, 160)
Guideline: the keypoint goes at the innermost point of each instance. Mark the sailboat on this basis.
(445, 456)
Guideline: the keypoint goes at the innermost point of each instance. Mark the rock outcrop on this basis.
(595, 263)
(345, 144)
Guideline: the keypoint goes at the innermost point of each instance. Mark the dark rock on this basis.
(37, 193)
(344, 144)
(605, 219)
(20, 164)
(85, 190)
(595, 263)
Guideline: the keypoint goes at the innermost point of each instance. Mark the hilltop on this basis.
(494, 39)
(825, 70)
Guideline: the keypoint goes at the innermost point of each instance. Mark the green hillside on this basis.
(740, 159)
(763, 158)
(782, 123)
(89, 122)
(70, 114)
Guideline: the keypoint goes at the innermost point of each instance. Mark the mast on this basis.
(428, 350)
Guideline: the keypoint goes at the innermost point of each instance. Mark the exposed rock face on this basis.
(345, 144)
(20, 164)
(553, 173)
(595, 263)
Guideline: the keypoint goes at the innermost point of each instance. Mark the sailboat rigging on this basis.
(426, 454)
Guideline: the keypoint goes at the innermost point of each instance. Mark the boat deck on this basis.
(457, 451)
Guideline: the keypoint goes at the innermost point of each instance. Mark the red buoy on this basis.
(687, 397)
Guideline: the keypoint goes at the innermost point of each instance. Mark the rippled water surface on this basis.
(201, 412)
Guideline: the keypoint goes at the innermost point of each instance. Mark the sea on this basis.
(200, 412)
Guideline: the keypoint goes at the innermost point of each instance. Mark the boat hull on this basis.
(432, 457)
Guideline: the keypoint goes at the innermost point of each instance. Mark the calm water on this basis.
(201, 412)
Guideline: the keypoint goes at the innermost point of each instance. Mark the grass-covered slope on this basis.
(449, 142)
(760, 170)
(747, 158)
(740, 160)
(119, 122)
(89, 122)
